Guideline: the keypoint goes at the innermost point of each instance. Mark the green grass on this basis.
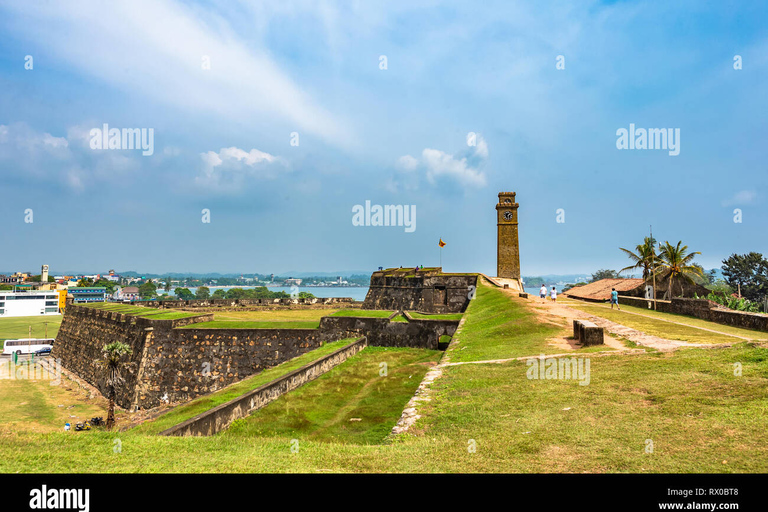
(151, 313)
(696, 322)
(221, 324)
(368, 313)
(32, 404)
(273, 315)
(690, 404)
(201, 404)
(498, 327)
(658, 326)
(700, 416)
(444, 316)
(18, 326)
(324, 409)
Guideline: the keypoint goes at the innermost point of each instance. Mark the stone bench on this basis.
(587, 333)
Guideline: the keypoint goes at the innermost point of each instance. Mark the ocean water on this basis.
(354, 292)
(535, 290)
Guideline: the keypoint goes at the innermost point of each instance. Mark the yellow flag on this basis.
(441, 243)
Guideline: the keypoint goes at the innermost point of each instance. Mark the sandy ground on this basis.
(613, 331)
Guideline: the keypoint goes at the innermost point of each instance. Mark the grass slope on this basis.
(328, 409)
(204, 403)
(690, 404)
(499, 327)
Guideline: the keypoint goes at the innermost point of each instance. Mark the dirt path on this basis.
(638, 337)
(677, 323)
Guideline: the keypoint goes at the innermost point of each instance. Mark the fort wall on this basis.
(426, 290)
(703, 309)
(220, 417)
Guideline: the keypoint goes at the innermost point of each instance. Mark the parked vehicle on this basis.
(27, 346)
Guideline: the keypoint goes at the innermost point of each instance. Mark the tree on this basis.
(6, 287)
(148, 290)
(168, 283)
(184, 293)
(750, 271)
(109, 285)
(675, 263)
(110, 367)
(604, 274)
(203, 292)
(84, 283)
(219, 294)
(643, 258)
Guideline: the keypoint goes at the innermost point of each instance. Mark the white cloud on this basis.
(156, 47)
(231, 169)
(742, 197)
(437, 165)
(441, 164)
(28, 154)
(407, 163)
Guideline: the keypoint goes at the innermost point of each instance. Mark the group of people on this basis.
(553, 295)
(543, 293)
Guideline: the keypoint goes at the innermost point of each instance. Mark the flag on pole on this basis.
(441, 243)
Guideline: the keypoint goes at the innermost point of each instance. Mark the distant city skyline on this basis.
(271, 124)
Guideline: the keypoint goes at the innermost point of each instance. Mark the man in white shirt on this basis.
(543, 292)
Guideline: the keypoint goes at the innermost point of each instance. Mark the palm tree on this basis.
(111, 370)
(676, 262)
(644, 258)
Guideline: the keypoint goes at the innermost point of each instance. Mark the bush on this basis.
(736, 303)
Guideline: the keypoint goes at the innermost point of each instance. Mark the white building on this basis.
(33, 303)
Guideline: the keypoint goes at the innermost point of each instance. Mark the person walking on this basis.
(615, 298)
(553, 294)
(543, 292)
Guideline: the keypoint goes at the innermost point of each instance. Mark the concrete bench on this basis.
(587, 333)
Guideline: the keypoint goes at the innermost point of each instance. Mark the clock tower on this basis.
(508, 247)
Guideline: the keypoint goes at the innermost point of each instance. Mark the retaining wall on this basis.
(171, 365)
(703, 309)
(382, 332)
(219, 418)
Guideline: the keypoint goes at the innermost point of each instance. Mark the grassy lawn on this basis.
(239, 324)
(690, 404)
(499, 327)
(696, 322)
(700, 415)
(275, 315)
(18, 326)
(204, 403)
(151, 313)
(368, 313)
(364, 413)
(445, 316)
(33, 405)
(659, 327)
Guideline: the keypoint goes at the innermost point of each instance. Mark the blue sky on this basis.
(394, 136)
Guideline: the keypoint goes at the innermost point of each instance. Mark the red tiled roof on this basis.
(601, 290)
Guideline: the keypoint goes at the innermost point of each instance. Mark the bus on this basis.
(27, 346)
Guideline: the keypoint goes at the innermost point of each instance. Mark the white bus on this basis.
(26, 346)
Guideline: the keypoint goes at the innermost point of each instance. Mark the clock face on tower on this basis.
(508, 215)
